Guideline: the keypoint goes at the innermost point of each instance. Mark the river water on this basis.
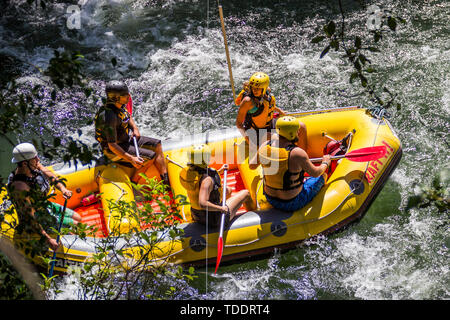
(172, 56)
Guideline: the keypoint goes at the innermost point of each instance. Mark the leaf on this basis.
(392, 23)
(317, 39)
(335, 45)
(325, 51)
(377, 36)
(363, 80)
(373, 49)
(353, 76)
(329, 28)
(357, 42)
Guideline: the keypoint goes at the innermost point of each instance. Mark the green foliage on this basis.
(436, 194)
(115, 269)
(111, 265)
(357, 49)
(11, 283)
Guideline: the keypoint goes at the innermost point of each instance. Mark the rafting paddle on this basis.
(222, 222)
(360, 155)
(136, 146)
(52, 266)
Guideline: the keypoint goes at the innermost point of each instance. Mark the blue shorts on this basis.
(311, 188)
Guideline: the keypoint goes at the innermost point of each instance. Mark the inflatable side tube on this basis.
(115, 188)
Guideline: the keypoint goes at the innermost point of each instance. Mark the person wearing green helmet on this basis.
(31, 182)
(115, 129)
(284, 165)
(204, 189)
(257, 106)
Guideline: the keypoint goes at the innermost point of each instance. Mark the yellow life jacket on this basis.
(191, 178)
(261, 115)
(281, 179)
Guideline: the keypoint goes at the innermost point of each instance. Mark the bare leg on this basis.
(235, 202)
(160, 162)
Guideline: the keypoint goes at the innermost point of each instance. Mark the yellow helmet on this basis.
(199, 155)
(287, 127)
(259, 80)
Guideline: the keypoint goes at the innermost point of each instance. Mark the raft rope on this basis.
(115, 184)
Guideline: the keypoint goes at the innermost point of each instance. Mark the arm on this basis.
(54, 179)
(205, 191)
(134, 128)
(135, 161)
(243, 109)
(299, 158)
(280, 111)
(25, 208)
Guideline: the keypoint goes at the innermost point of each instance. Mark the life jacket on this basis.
(37, 182)
(261, 115)
(121, 113)
(282, 180)
(191, 178)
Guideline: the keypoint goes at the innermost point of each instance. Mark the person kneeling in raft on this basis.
(257, 107)
(115, 130)
(29, 179)
(204, 189)
(284, 165)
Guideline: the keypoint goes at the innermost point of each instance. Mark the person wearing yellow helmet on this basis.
(31, 182)
(284, 165)
(115, 128)
(204, 189)
(256, 111)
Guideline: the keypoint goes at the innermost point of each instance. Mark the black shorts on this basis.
(146, 145)
(199, 216)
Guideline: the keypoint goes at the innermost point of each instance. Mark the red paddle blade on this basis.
(219, 253)
(366, 154)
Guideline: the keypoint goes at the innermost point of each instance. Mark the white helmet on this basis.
(23, 151)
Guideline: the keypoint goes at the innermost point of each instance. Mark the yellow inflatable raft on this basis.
(345, 198)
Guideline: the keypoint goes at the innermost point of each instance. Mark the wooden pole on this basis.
(226, 51)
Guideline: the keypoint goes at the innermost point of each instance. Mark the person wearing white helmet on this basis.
(31, 179)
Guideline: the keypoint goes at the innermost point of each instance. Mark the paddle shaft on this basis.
(222, 222)
(226, 51)
(359, 155)
(224, 198)
(332, 158)
(52, 266)
(136, 146)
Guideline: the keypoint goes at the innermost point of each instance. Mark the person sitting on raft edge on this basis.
(204, 189)
(115, 129)
(284, 187)
(32, 178)
(257, 105)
